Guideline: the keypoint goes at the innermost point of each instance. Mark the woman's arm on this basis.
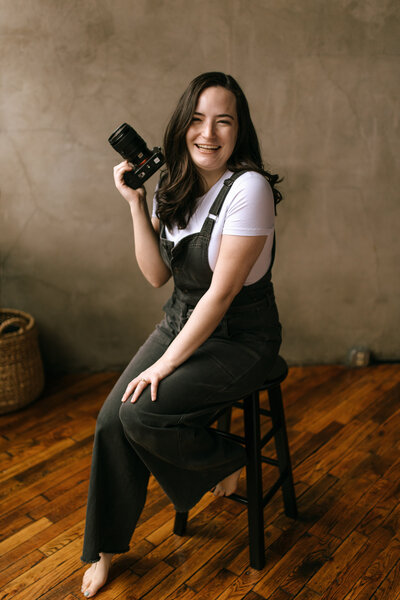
(144, 230)
(236, 257)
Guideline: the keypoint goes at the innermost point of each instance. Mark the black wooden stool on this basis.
(256, 499)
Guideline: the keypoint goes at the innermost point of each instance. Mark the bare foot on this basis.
(96, 576)
(227, 486)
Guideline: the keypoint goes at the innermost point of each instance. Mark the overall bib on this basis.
(171, 438)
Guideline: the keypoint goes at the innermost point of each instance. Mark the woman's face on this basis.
(212, 134)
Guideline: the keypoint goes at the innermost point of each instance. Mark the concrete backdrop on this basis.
(320, 79)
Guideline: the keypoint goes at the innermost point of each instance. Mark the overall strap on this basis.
(212, 216)
(273, 250)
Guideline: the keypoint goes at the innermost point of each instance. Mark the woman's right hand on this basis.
(127, 192)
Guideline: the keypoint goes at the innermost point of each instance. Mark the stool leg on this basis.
(282, 450)
(180, 523)
(255, 507)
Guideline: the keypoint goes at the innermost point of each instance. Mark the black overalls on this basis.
(170, 437)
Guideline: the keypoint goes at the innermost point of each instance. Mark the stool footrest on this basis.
(270, 461)
(268, 436)
(264, 411)
(266, 498)
(238, 498)
(238, 404)
(231, 436)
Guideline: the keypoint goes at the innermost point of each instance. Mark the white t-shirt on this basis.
(248, 209)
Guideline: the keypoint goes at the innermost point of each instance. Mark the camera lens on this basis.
(129, 145)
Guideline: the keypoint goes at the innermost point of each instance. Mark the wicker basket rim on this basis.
(11, 313)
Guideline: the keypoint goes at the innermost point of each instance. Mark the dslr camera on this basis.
(128, 143)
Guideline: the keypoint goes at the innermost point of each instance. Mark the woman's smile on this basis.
(207, 148)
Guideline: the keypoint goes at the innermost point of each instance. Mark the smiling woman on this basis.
(212, 230)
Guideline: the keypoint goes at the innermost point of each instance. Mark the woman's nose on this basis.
(208, 129)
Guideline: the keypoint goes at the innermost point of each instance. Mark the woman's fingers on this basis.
(125, 190)
(153, 390)
(140, 386)
(136, 387)
(129, 390)
(150, 377)
(119, 171)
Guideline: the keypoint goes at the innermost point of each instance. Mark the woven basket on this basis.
(21, 368)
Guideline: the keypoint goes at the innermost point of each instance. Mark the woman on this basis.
(212, 230)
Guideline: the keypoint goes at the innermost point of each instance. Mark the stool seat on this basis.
(277, 374)
(255, 499)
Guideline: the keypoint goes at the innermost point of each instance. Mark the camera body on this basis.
(128, 143)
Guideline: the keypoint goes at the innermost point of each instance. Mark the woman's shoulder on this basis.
(252, 182)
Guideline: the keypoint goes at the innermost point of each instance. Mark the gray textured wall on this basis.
(320, 79)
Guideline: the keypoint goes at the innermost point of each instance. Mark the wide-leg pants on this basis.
(171, 437)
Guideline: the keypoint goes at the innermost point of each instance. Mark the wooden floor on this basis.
(344, 433)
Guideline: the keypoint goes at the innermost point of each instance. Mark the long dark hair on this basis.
(181, 184)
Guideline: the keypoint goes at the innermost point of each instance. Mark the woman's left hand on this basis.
(151, 376)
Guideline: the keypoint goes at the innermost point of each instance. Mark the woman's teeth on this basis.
(207, 147)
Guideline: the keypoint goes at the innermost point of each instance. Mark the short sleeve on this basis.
(251, 207)
(155, 203)
(153, 212)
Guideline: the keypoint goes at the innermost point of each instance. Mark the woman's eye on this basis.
(195, 120)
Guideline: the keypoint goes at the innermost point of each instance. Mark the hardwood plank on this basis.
(376, 572)
(46, 535)
(346, 503)
(240, 559)
(356, 568)
(16, 568)
(242, 585)
(193, 559)
(14, 520)
(278, 594)
(306, 384)
(59, 507)
(41, 486)
(312, 505)
(33, 458)
(22, 535)
(152, 578)
(306, 594)
(88, 391)
(380, 500)
(298, 565)
(309, 443)
(182, 593)
(321, 462)
(340, 559)
(65, 538)
(358, 397)
(385, 405)
(45, 575)
(389, 589)
(216, 586)
(333, 401)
